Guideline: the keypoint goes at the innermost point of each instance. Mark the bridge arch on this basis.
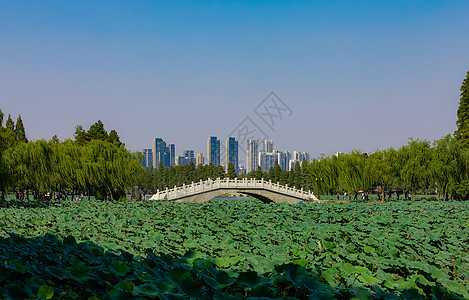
(263, 190)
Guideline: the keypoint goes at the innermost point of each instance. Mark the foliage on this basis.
(231, 172)
(235, 248)
(462, 133)
(9, 123)
(415, 161)
(96, 132)
(20, 131)
(46, 167)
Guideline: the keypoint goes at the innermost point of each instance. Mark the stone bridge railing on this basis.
(233, 184)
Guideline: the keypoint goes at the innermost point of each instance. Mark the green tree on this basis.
(7, 140)
(462, 133)
(231, 171)
(297, 176)
(1, 118)
(20, 131)
(114, 138)
(80, 135)
(415, 159)
(30, 165)
(10, 124)
(54, 140)
(97, 132)
(219, 172)
(352, 175)
(276, 174)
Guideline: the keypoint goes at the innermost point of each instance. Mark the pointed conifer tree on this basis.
(19, 130)
(1, 118)
(462, 133)
(9, 123)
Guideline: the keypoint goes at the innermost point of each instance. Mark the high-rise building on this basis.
(161, 153)
(252, 151)
(200, 159)
(286, 165)
(147, 158)
(213, 151)
(300, 156)
(172, 154)
(267, 160)
(268, 146)
(231, 153)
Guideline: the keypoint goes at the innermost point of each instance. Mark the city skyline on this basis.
(346, 75)
(265, 158)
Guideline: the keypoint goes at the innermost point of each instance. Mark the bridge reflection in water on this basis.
(202, 191)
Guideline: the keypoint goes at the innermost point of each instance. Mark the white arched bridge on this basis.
(266, 191)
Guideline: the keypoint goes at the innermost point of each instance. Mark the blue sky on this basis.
(355, 74)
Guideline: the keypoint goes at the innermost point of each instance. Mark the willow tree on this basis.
(108, 167)
(415, 160)
(379, 165)
(352, 175)
(70, 166)
(30, 165)
(324, 172)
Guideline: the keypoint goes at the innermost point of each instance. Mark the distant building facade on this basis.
(200, 159)
(231, 153)
(172, 154)
(161, 153)
(252, 150)
(268, 146)
(147, 158)
(213, 151)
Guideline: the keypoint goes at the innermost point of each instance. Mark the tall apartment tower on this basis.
(252, 155)
(200, 159)
(172, 154)
(231, 153)
(268, 146)
(213, 151)
(147, 158)
(160, 153)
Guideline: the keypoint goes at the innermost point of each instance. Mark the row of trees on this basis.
(95, 163)
(417, 166)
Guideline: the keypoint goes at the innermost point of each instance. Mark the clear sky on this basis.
(354, 74)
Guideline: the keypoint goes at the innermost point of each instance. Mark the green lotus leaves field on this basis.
(234, 249)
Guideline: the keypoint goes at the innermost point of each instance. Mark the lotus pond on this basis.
(234, 249)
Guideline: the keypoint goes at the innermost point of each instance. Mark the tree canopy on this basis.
(462, 133)
(96, 132)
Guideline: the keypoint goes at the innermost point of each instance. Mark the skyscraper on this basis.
(231, 153)
(268, 146)
(147, 158)
(172, 154)
(213, 151)
(252, 155)
(267, 160)
(161, 153)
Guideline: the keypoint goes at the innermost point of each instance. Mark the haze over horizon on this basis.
(350, 75)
